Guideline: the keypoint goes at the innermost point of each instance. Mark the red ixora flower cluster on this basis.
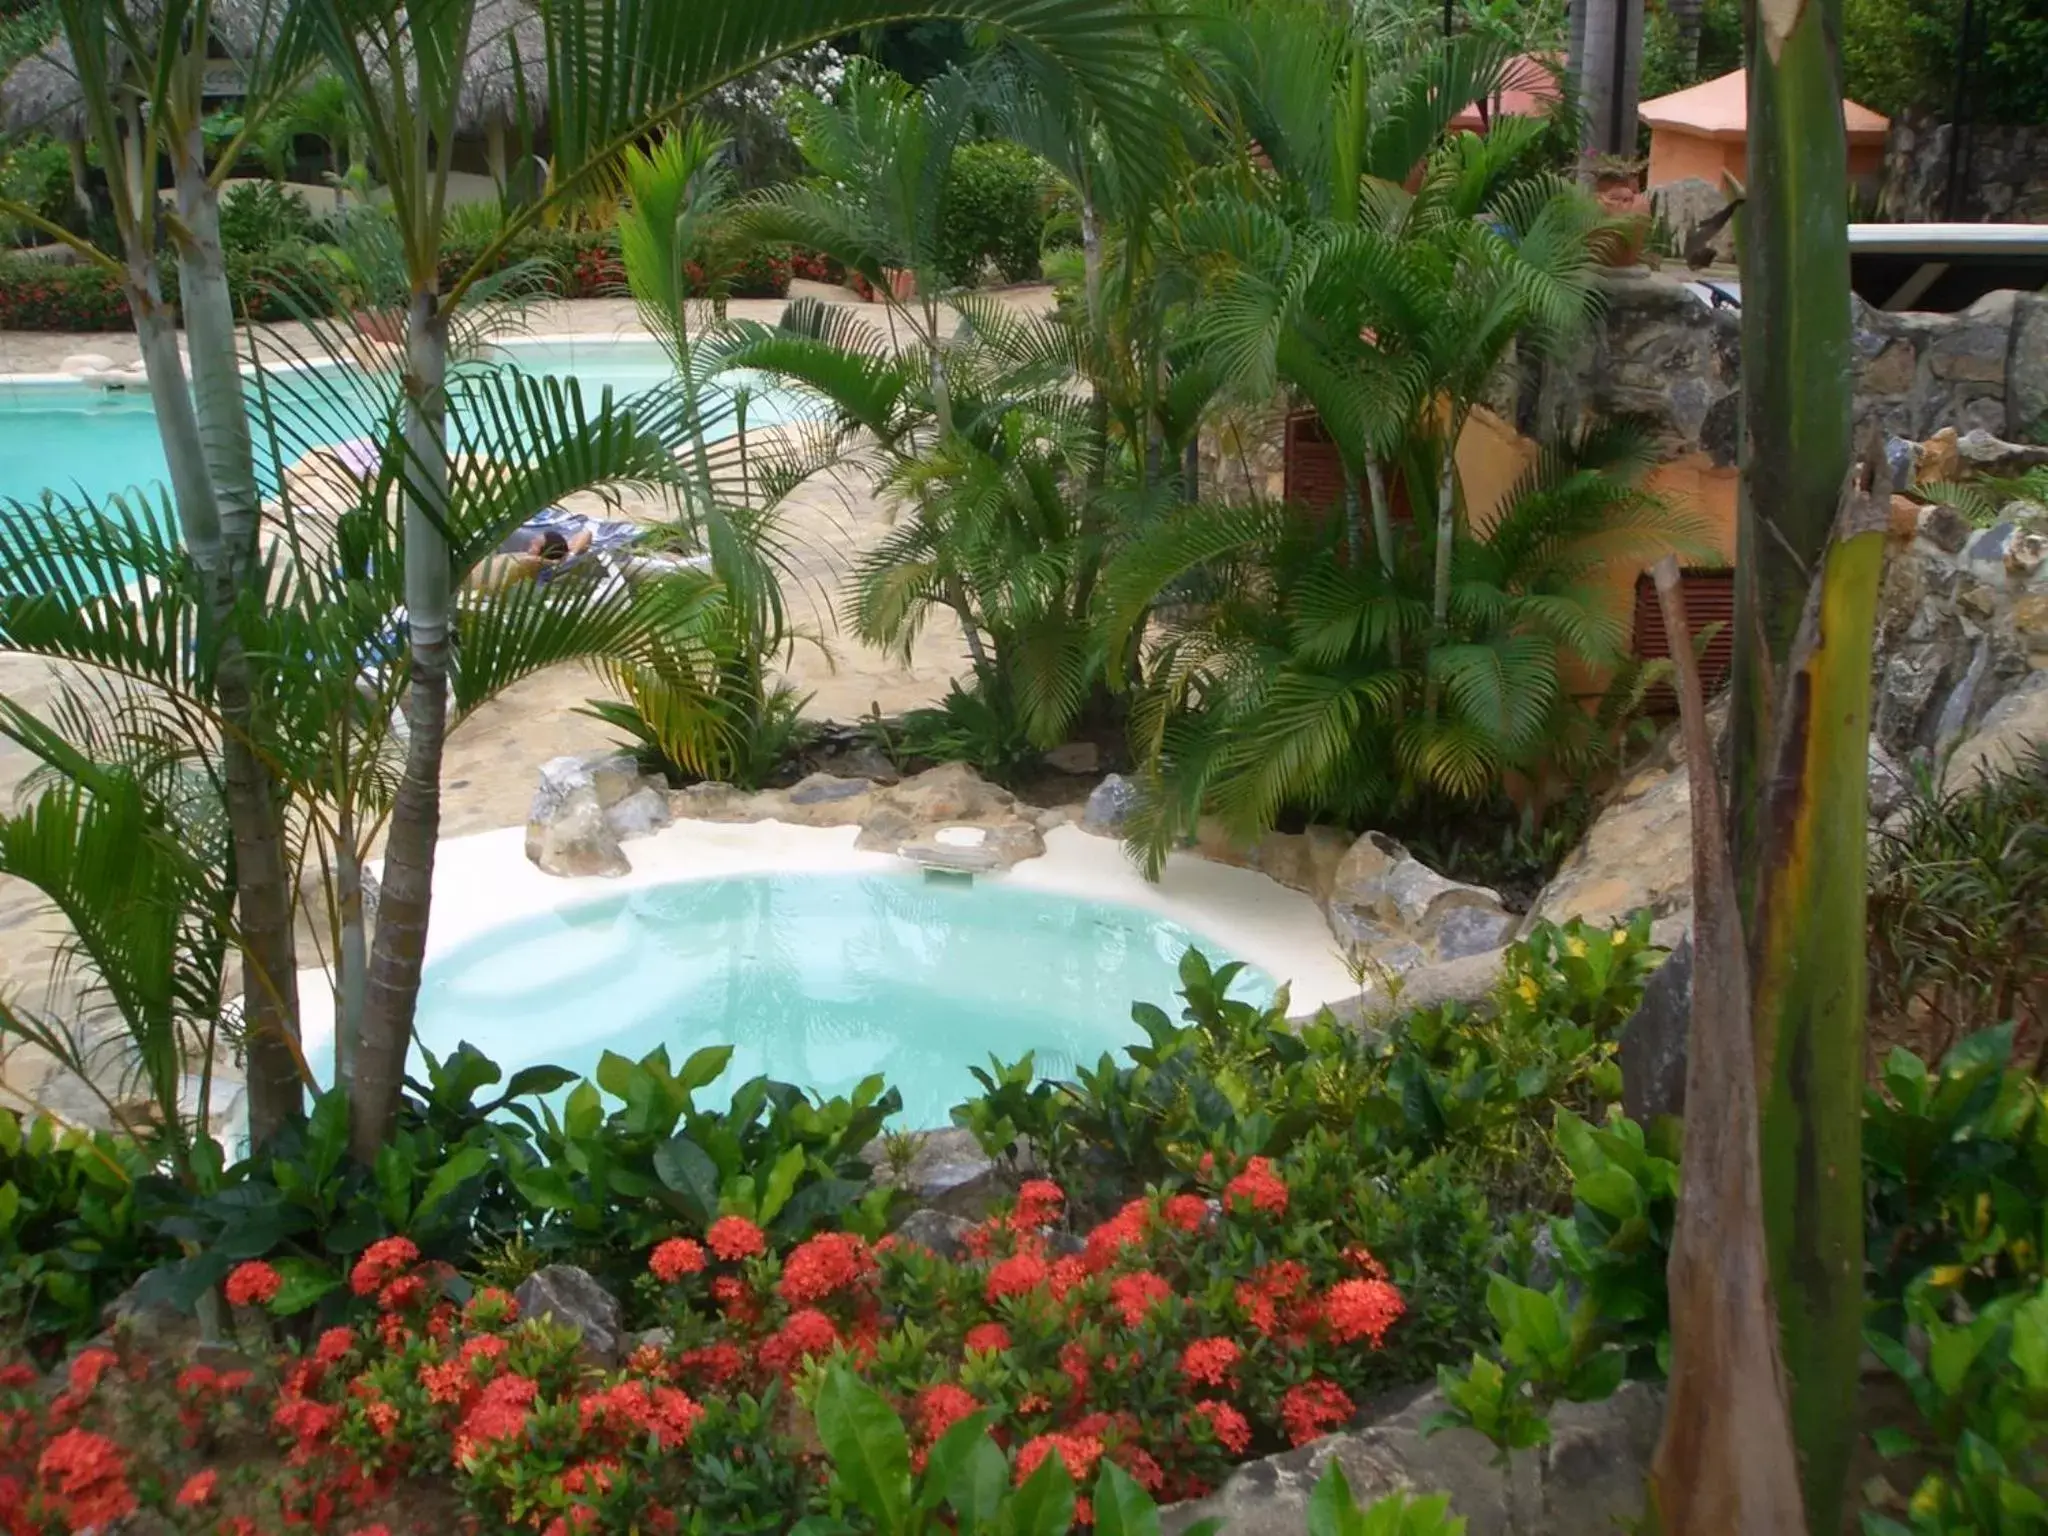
(382, 1262)
(671, 1261)
(254, 1284)
(84, 1478)
(825, 1265)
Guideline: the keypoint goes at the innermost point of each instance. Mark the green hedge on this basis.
(995, 212)
(277, 285)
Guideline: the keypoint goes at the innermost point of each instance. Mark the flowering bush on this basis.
(38, 295)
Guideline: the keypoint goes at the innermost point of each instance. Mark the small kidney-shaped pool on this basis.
(819, 980)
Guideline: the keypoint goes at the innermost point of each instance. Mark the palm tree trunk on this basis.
(1354, 521)
(406, 895)
(263, 887)
(1446, 527)
(351, 952)
(1800, 722)
(1382, 513)
(1685, 21)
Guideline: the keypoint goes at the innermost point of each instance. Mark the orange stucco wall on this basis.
(1700, 493)
(1676, 155)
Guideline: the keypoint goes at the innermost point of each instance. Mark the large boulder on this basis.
(566, 1295)
(1637, 853)
(1388, 907)
(1109, 806)
(2015, 726)
(1652, 1042)
(949, 817)
(584, 806)
(1588, 1478)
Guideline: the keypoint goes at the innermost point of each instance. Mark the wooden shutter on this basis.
(1709, 599)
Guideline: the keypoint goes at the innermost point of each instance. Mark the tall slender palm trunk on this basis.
(264, 892)
(404, 900)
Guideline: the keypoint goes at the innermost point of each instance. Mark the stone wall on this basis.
(2005, 180)
(1665, 353)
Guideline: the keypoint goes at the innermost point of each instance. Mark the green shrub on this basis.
(1958, 917)
(36, 172)
(994, 213)
(1901, 55)
(260, 216)
(45, 296)
(72, 1236)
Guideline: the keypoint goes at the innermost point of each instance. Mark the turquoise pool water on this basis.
(817, 979)
(73, 438)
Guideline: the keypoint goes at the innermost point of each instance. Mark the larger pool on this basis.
(817, 979)
(77, 438)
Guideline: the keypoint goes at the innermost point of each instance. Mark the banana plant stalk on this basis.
(1800, 722)
(1724, 1465)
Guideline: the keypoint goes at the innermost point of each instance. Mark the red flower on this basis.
(1136, 1294)
(992, 1338)
(677, 1257)
(734, 1238)
(383, 1261)
(663, 1412)
(1209, 1362)
(252, 1284)
(1260, 1187)
(1079, 1452)
(1313, 1407)
(1074, 1365)
(1232, 1431)
(734, 1299)
(1259, 1297)
(1186, 1212)
(1361, 1259)
(939, 1408)
(402, 1294)
(825, 1264)
(1038, 1204)
(86, 1479)
(499, 1414)
(1017, 1275)
(809, 1332)
(1123, 1230)
(383, 1418)
(198, 1489)
(305, 1421)
(715, 1364)
(334, 1345)
(1361, 1309)
(446, 1381)
(1144, 1469)
(1065, 1274)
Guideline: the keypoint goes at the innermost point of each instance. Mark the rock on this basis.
(1941, 459)
(1905, 517)
(2030, 621)
(824, 788)
(1888, 781)
(948, 818)
(1946, 528)
(1652, 1042)
(950, 792)
(1110, 804)
(150, 1323)
(576, 839)
(1468, 982)
(1637, 853)
(943, 1234)
(1982, 453)
(569, 828)
(1589, 1478)
(86, 364)
(568, 1295)
(2024, 553)
(2011, 728)
(711, 801)
(1474, 930)
(974, 849)
(865, 761)
(1075, 757)
(645, 810)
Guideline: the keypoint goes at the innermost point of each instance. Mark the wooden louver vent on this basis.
(1709, 599)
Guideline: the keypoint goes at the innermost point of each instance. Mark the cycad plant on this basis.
(1279, 677)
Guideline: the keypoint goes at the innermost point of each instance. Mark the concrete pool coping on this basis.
(485, 882)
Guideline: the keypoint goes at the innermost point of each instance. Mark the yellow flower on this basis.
(1927, 1498)
(1946, 1275)
(1575, 947)
(1619, 936)
(1528, 990)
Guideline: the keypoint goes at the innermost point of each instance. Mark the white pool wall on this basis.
(485, 882)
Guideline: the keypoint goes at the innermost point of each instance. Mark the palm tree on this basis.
(614, 72)
(1281, 677)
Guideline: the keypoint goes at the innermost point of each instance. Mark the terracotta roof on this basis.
(1719, 109)
(1529, 89)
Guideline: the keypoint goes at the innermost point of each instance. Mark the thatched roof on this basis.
(507, 57)
(41, 92)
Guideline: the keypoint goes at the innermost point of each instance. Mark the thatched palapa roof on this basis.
(507, 60)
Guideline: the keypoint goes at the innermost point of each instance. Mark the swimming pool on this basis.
(817, 978)
(78, 438)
